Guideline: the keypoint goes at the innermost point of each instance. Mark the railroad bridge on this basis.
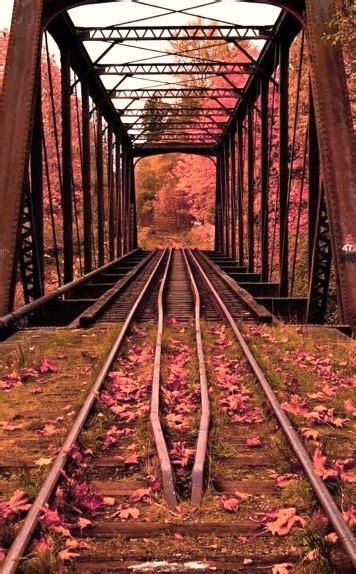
(244, 195)
(165, 409)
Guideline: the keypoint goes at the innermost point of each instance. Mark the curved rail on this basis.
(323, 495)
(166, 467)
(202, 442)
(22, 539)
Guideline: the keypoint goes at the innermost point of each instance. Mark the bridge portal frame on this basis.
(333, 127)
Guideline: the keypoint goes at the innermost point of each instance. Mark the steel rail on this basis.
(323, 495)
(202, 442)
(10, 318)
(18, 547)
(165, 463)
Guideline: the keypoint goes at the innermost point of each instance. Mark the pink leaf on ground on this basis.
(243, 495)
(83, 523)
(142, 494)
(68, 555)
(309, 434)
(284, 520)
(19, 502)
(284, 479)
(43, 544)
(230, 504)
(349, 408)
(253, 442)
(130, 512)
(46, 366)
(132, 459)
(350, 516)
(319, 466)
(281, 568)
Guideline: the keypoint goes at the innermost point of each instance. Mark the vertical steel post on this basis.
(133, 204)
(283, 167)
(37, 182)
(264, 176)
(240, 215)
(233, 192)
(227, 196)
(100, 187)
(111, 195)
(86, 178)
(314, 181)
(17, 94)
(250, 189)
(223, 200)
(67, 198)
(335, 138)
(218, 223)
(125, 202)
(118, 189)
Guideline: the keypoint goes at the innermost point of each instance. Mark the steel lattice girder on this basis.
(186, 124)
(175, 93)
(218, 68)
(177, 112)
(179, 136)
(123, 33)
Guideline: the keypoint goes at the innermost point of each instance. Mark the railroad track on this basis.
(185, 288)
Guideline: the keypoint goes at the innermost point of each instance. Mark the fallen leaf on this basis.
(319, 466)
(83, 523)
(309, 434)
(243, 495)
(46, 366)
(253, 442)
(43, 461)
(230, 504)
(68, 555)
(130, 512)
(142, 494)
(281, 568)
(132, 459)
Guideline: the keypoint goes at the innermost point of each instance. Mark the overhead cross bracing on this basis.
(174, 68)
(122, 33)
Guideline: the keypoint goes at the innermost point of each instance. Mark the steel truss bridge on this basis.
(224, 120)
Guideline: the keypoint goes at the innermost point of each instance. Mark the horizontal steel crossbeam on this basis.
(177, 112)
(219, 68)
(174, 93)
(121, 34)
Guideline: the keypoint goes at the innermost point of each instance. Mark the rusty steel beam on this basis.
(286, 27)
(86, 178)
(185, 68)
(191, 33)
(111, 194)
(335, 137)
(67, 168)
(314, 181)
(250, 189)
(264, 177)
(16, 114)
(233, 195)
(37, 178)
(118, 191)
(63, 32)
(100, 188)
(283, 168)
(148, 149)
(174, 93)
(185, 111)
(240, 218)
